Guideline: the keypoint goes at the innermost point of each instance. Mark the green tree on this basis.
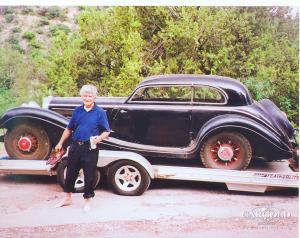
(115, 47)
(60, 66)
(20, 79)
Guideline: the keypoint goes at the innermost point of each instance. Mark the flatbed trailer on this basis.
(257, 178)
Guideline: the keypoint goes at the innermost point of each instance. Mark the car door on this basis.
(157, 116)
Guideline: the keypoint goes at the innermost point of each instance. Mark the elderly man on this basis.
(90, 126)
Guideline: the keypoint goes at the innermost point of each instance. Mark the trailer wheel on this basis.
(128, 178)
(227, 150)
(27, 141)
(79, 183)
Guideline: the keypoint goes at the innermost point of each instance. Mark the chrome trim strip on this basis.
(154, 151)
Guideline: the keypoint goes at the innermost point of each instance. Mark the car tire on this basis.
(79, 183)
(128, 178)
(27, 141)
(227, 150)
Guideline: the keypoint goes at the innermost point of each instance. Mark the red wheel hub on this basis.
(225, 152)
(24, 143)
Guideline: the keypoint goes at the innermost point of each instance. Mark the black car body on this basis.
(172, 116)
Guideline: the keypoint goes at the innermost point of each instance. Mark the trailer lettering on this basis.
(278, 176)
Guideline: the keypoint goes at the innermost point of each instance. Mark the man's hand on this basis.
(67, 132)
(96, 139)
(58, 147)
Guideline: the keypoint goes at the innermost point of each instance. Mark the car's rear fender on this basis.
(277, 117)
(262, 139)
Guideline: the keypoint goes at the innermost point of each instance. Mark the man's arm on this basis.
(66, 134)
(102, 137)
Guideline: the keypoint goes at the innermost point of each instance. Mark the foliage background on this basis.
(116, 47)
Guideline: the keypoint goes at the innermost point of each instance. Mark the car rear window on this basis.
(205, 94)
(164, 94)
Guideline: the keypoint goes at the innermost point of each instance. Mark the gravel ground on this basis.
(167, 209)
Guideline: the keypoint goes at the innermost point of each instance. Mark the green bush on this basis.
(54, 12)
(43, 22)
(40, 31)
(16, 29)
(8, 10)
(27, 11)
(81, 8)
(28, 35)
(59, 28)
(13, 40)
(19, 78)
(14, 43)
(42, 11)
(18, 47)
(9, 18)
(35, 44)
(7, 100)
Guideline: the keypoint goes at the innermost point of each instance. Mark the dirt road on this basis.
(167, 209)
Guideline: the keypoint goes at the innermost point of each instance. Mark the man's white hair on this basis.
(88, 88)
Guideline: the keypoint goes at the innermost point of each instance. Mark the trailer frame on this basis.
(258, 178)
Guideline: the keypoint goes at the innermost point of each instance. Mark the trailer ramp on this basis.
(266, 176)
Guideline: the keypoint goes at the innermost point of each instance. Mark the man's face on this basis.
(88, 99)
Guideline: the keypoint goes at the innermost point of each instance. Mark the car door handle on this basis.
(123, 111)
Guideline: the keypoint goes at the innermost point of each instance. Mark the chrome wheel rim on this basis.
(128, 178)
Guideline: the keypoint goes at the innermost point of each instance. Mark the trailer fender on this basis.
(106, 158)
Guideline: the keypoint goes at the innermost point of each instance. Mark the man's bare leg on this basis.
(66, 201)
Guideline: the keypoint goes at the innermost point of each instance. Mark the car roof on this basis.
(212, 80)
(232, 87)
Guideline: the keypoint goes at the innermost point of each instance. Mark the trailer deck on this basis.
(258, 178)
(35, 167)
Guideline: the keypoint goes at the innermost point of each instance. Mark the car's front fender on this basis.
(32, 114)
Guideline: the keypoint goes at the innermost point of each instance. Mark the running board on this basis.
(278, 175)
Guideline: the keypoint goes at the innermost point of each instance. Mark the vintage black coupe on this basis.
(168, 116)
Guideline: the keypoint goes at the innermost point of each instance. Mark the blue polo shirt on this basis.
(86, 124)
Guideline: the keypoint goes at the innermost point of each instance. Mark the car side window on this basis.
(204, 94)
(164, 94)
